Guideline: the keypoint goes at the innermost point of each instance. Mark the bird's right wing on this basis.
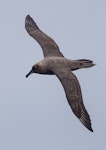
(73, 94)
(49, 47)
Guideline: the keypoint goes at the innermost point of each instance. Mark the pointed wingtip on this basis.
(30, 24)
(87, 123)
(91, 130)
(28, 16)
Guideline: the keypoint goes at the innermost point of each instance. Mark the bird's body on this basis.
(54, 63)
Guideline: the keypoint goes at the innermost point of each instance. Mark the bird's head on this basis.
(35, 69)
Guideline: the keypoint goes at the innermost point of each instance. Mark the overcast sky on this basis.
(34, 113)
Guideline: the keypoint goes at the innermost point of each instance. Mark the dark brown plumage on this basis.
(55, 63)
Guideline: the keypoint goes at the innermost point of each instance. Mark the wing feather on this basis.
(73, 94)
(48, 45)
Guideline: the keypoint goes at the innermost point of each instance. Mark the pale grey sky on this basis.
(34, 113)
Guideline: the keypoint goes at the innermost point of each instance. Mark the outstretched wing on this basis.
(73, 94)
(49, 47)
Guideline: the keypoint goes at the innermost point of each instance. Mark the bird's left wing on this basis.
(73, 94)
(49, 47)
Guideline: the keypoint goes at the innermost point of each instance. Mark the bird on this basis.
(54, 63)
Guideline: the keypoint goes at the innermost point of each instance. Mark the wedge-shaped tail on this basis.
(81, 63)
(85, 63)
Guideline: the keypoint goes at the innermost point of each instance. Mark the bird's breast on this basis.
(48, 63)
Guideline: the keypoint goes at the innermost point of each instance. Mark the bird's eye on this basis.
(35, 67)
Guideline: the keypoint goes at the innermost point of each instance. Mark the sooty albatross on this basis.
(55, 63)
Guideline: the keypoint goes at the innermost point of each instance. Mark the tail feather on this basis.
(84, 63)
(81, 63)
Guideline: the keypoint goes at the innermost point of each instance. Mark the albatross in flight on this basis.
(54, 63)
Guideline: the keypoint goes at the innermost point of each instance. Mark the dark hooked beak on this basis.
(29, 73)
